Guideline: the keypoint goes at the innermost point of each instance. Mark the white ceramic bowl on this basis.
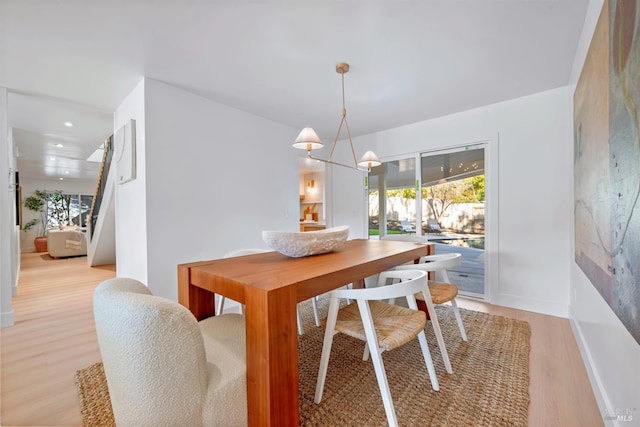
(301, 244)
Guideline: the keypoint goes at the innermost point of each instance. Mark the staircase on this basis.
(101, 245)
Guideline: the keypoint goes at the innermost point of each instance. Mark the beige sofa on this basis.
(65, 243)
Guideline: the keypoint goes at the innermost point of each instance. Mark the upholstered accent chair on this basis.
(66, 243)
(164, 368)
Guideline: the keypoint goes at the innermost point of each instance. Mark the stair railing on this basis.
(105, 165)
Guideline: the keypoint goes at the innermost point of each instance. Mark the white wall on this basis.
(28, 188)
(215, 178)
(131, 197)
(609, 351)
(15, 235)
(532, 196)
(346, 199)
(8, 254)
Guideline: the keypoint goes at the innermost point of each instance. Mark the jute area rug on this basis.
(489, 385)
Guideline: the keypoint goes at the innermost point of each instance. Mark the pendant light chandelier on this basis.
(309, 140)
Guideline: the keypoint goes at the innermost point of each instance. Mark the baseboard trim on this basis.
(529, 304)
(7, 319)
(594, 378)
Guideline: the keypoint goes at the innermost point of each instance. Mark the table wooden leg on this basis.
(358, 284)
(272, 357)
(199, 301)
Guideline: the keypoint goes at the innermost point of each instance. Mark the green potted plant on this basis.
(37, 203)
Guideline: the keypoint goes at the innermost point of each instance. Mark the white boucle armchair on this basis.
(164, 368)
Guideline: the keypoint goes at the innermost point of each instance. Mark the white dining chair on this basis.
(242, 252)
(439, 293)
(441, 289)
(382, 326)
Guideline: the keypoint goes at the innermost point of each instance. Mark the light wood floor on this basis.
(54, 336)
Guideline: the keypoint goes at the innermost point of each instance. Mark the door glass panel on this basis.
(453, 200)
(392, 198)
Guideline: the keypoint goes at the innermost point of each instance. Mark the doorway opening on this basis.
(312, 195)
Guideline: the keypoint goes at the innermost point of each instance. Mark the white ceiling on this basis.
(71, 60)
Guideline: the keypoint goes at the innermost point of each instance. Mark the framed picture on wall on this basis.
(125, 152)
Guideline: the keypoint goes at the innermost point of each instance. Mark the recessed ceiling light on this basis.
(61, 179)
(59, 145)
(68, 124)
(66, 172)
(52, 158)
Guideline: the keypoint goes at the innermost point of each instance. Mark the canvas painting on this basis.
(607, 162)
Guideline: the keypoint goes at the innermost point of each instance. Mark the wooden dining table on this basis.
(270, 285)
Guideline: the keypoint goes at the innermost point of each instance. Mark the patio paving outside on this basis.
(469, 276)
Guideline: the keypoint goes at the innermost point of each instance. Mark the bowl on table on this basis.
(300, 244)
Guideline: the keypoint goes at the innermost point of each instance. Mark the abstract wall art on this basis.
(607, 162)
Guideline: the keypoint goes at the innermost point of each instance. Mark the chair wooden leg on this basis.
(326, 347)
(220, 305)
(463, 333)
(299, 316)
(436, 329)
(316, 315)
(378, 364)
(445, 276)
(376, 358)
(428, 361)
(348, 286)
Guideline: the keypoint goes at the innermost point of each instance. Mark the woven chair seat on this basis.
(440, 292)
(394, 325)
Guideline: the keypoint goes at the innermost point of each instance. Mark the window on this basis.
(396, 181)
(67, 209)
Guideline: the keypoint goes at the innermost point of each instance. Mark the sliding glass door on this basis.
(453, 200)
(441, 196)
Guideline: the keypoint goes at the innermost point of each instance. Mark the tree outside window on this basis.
(440, 197)
(67, 209)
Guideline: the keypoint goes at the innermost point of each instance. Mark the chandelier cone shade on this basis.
(308, 140)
